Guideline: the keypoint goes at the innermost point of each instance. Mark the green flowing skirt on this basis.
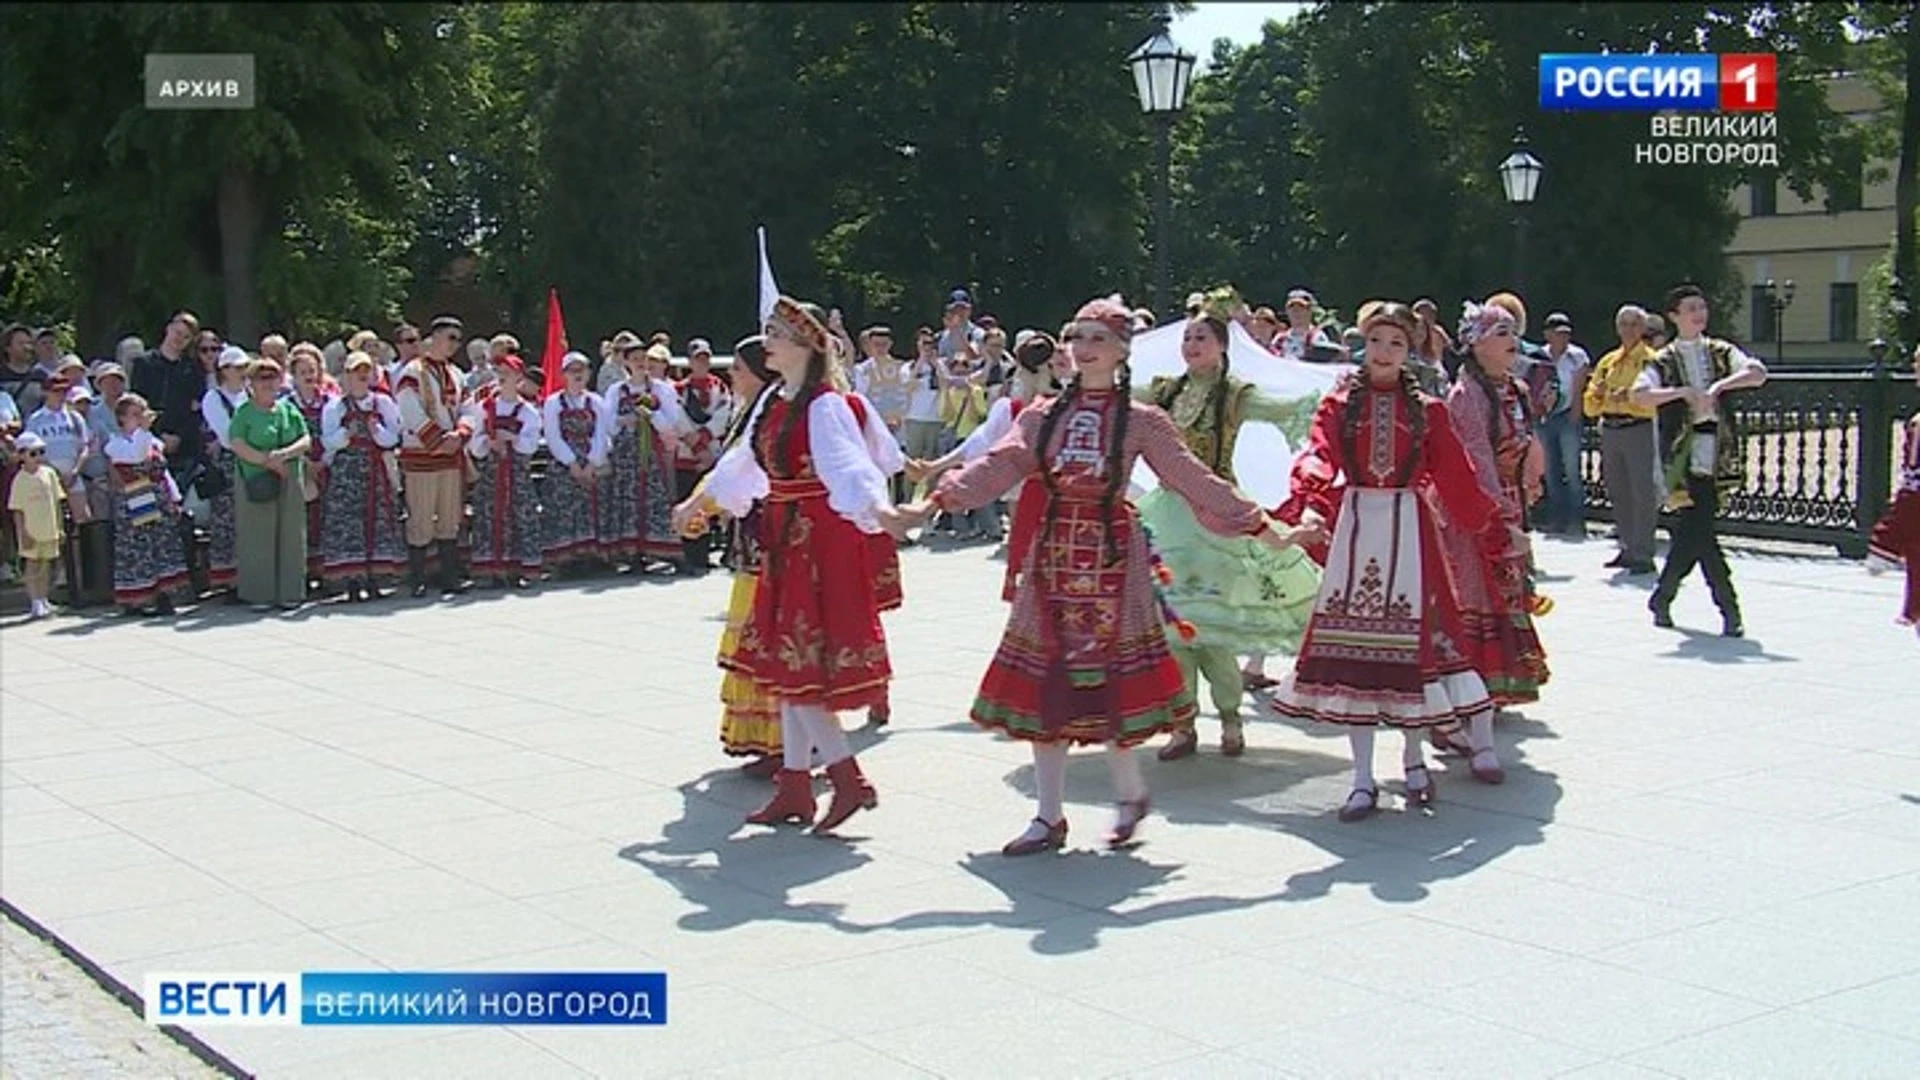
(1239, 594)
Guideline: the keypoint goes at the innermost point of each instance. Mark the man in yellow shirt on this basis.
(1629, 454)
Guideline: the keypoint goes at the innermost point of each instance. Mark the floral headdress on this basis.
(1481, 321)
(1221, 303)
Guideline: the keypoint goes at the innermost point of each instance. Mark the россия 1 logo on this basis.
(1741, 88)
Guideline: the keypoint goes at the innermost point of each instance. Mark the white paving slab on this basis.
(1705, 861)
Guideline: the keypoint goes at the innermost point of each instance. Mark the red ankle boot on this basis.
(792, 800)
(851, 793)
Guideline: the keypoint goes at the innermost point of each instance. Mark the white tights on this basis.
(1361, 739)
(1050, 778)
(806, 728)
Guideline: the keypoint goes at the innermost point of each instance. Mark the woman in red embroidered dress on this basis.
(1084, 658)
(1489, 410)
(1895, 542)
(1381, 644)
(814, 640)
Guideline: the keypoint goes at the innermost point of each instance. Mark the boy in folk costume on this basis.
(1379, 646)
(644, 423)
(1895, 542)
(814, 641)
(1237, 594)
(148, 563)
(433, 456)
(1701, 447)
(575, 424)
(506, 516)
(361, 540)
(1084, 658)
(708, 407)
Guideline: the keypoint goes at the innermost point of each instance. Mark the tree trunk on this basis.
(239, 244)
(106, 282)
(1906, 198)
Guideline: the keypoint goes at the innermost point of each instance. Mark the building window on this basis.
(1762, 307)
(1762, 191)
(1846, 194)
(1843, 311)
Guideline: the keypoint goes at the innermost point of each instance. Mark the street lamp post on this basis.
(1520, 177)
(1779, 299)
(1161, 72)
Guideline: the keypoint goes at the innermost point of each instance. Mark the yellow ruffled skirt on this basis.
(749, 717)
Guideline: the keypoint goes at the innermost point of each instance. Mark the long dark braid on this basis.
(1357, 390)
(1061, 406)
(1116, 459)
(1470, 364)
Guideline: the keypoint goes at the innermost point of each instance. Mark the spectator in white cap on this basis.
(96, 536)
(216, 482)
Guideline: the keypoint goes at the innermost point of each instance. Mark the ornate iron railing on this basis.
(1820, 457)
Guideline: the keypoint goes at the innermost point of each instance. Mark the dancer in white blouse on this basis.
(578, 436)
(506, 517)
(814, 640)
(361, 542)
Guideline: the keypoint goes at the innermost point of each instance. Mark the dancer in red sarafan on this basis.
(1380, 646)
(1490, 413)
(1084, 658)
(814, 640)
(1895, 542)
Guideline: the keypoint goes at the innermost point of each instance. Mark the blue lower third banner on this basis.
(388, 998)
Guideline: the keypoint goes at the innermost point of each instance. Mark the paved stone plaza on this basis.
(1705, 862)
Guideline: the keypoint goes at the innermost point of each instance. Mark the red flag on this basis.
(556, 347)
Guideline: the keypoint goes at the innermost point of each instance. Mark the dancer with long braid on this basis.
(1239, 595)
(1491, 415)
(1380, 646)
(749, 716)
(1084, 657)
(814, 641)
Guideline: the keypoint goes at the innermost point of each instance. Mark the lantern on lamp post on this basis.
(1520, 178)
(1161, 72)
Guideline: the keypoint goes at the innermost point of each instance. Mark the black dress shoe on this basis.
(1639, 568)
(1662, 616)
(1617, 562)
(1732, 627)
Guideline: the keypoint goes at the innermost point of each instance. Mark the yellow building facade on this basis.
(1824, 245)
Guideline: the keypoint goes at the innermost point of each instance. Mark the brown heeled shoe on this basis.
(851, 794)
(1127, 823)
(792, 800)
(1182, 745)
(1054, 840)
(762, 768)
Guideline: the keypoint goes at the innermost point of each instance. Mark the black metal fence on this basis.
(1820, 450)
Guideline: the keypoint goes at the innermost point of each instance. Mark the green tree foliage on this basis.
(251, 217)
(624, 154)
